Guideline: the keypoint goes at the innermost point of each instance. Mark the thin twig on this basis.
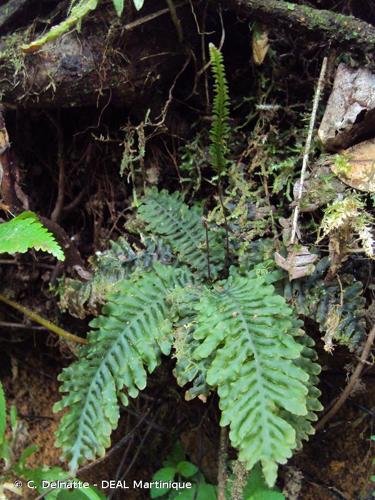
(175, 19)
(352, 382)
(150, 17)
(21, 326)
(56, 212)
(44, 322)
(305, 160)
(222, 465)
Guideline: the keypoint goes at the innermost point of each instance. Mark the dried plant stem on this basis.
(352, 382)
(305, 160)
(240, 477)
(43, 322)
(222, 465)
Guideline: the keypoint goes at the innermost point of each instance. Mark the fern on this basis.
(24, 232)
(188, 370)
(108, 268)
(79, 9)
(181, 227)
(219, 133)
(337, 306)
(127, 339)
(246, 327)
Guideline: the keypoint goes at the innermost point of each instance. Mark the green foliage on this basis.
(257, 489)
(239, 338)
(127, 339)
(181, 227)
(82, 298)
(177, 468)
(17, 468)
(337, 306)
(79, 9)
(344, 219)
(24, 232)
(255, 368)
(219, 133)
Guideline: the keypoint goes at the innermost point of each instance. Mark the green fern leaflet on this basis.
(246, 327)
(219, 133)
(181, 227)
(24, 232)
(127, 339)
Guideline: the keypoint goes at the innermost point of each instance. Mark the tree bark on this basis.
(106, 59)
(330, 26)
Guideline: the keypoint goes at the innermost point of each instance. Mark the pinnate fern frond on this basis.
(246, 327)
(219, 133)
(118, 262)
(127, 340)
(26, 231)
(181, 227)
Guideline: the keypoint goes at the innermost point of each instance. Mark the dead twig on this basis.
(351, 384)
(42, 321)
(222, 466)
(59, 205)
(305, 160)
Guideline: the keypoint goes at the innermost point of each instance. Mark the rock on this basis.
(350, 111)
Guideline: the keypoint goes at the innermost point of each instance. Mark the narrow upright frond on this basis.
(219, 133)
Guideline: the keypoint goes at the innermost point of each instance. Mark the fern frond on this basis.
(82, 298)
(188, 370)
(219, 133)
(126, 340)
(26, 231)
(246, 327)
(307, 362)
(337, 306)
(181, 227)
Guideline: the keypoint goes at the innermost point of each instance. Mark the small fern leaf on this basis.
(24, 232)
(119, 6)
(219, 133)
(138, 4)
(77, 13)
(181, 227)
(128, 339)
(246, 327)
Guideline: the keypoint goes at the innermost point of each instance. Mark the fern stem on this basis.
(42, 321)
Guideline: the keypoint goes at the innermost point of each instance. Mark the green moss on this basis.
(342, 165)
(11, 53)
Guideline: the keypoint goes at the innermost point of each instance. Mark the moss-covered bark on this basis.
(329, 25)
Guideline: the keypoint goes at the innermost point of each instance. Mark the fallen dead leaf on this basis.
(355, 166)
